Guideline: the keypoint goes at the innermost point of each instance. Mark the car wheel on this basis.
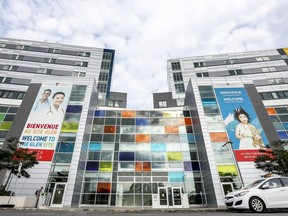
(256, 204)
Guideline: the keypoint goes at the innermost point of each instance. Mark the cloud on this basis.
(145, 33)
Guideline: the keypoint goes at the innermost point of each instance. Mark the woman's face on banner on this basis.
(243, 118)
(58, 99)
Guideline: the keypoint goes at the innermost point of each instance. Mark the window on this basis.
(103, 76)
(175, 66)
(105, 65)
(162, 103)
(84, 54)
(81, 64)
(49, 60)
(107, 56)
(2, 45)
(17, 57)
(275, 81)
(10, 67)
(179, 88)
(269, 69)
(20, 95)
(44, 71)
(177, 77)
(7, 80)
(51, 50)
(205, 74)
(8, 94)
(78, 74)
(263, 58)
(199, 64)
(22, 47)
(102, 87)
(235, 72)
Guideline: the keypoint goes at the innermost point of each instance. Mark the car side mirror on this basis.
(264, 187)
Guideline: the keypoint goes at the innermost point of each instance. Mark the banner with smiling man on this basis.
(45, 120)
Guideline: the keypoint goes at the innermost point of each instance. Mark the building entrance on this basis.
(58, 195)
(169, 197)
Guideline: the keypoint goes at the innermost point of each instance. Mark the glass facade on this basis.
(133, 154)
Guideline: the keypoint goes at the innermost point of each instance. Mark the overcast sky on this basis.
(145, 33)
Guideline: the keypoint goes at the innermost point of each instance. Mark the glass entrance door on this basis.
(58, 195)
(227, 188)
(163, 198)
(177, 196)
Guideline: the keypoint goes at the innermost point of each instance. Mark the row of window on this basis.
(44, 49)
(274, 95)
(43, 60)
(12, 94)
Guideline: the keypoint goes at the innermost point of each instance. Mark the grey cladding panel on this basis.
(21, 81)
(61, 73)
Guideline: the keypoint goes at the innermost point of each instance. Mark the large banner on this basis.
(242, 123)
(44, 122)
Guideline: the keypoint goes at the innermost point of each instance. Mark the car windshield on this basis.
(253, 184)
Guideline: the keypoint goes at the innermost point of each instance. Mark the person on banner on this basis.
(55, 112)
(43, 102)
(250, 137)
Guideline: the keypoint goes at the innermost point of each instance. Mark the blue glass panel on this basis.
(187, 166)
(92, 165)
(208, 100)
(176, 176)
(158, 147)
(74, 109)
(195, 166)
(282, 134)
(142, 121)
(191, 137)
(95, 146)
(285, 126)
(99, 113)
(183, 138)
(65, 147)
(126, 156)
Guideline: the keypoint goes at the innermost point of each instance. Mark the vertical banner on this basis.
(242, 123)
(44, 122)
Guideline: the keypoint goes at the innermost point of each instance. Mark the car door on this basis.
(274, 194)
(285, 183)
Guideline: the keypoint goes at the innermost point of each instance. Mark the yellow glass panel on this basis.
(286, 50)
(5, 125)
(174, 156)
(106, 166)
(226, 169)
(128, 114)
(70, 127)
(168, 114)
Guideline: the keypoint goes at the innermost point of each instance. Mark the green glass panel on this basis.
(174, 156)
(69, 127)
(5, 125)
(2, 116)
(106, 166)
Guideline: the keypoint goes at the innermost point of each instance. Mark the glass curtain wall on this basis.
(133, 153)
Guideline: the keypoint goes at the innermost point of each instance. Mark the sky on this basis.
(146, 33)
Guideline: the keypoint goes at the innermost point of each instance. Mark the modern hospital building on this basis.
(95, 152)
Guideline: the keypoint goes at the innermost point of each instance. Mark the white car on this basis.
(260, 195)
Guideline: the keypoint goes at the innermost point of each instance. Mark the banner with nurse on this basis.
(45, 120)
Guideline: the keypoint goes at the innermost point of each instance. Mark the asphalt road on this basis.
(145, 213)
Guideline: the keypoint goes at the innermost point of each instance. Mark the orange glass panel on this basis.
(146, 166)
(138, 166)
(188, 121)
(181, 122)
(129, 114)
(271, 111)
(171, 130)
(218, 137)
(103, 187)
(109, 129)
(142, 138)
